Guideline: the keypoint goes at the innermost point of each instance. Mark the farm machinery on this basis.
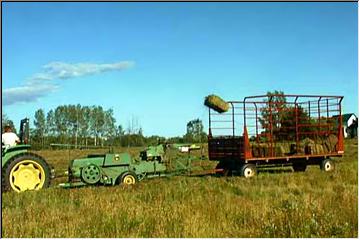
(21, 169)
(121, 168)
(258, 132)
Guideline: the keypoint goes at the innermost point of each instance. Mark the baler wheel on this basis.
(26, 172)
(129, 178)
(91, 174)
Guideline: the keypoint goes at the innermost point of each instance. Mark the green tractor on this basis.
(23, 170)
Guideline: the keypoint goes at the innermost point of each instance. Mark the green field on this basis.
(276, 203)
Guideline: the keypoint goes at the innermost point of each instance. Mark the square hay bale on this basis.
(285, 147)
(311, 147)
(264, 149)
(216, 103)
(307, 141)
(319, 149)
(280, 151)
(300, 149)
(255, 151)
(330, 143)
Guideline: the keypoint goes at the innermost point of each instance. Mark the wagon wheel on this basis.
(26, 172)
(248, 170)
(327, 165)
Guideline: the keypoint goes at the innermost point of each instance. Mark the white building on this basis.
(347, 120)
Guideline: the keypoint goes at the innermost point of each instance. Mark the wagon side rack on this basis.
(277, 129)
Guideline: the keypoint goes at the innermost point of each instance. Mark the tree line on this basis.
(87, 126)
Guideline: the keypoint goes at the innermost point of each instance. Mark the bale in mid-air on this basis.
(216, 103)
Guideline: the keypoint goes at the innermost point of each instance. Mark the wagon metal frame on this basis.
(270, 120)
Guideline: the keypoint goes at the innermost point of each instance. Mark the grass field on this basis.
(273, 204)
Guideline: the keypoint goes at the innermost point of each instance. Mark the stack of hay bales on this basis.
(307, 146)
(216, 103)
(328, 145)
(263, 149)
(259, 149)
(311, 147)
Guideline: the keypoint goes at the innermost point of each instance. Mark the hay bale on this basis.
(264, 150)
(307, 146)
(314, 148)
(301, 149)
(259, 149)
(285, 146)
(307, 140)
(255, 151)
(297, 149)
(280, 151)
(319, 149)
(330, 143)
(216, 103)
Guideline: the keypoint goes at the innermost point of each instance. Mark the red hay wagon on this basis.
(273, 130)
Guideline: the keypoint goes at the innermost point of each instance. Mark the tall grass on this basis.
(273, 204)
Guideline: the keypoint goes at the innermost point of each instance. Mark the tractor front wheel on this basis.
(26, 172)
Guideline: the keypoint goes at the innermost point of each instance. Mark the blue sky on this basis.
(157, 61)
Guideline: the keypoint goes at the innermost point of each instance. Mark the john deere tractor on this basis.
(23, 170)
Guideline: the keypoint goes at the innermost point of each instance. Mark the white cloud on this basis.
(61, 70)
(39, 77)
(41, 84)
(27, 93)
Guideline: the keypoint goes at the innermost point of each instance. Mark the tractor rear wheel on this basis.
(24, 172)
(129, 178)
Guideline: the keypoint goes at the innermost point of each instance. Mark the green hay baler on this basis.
(122, 168)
